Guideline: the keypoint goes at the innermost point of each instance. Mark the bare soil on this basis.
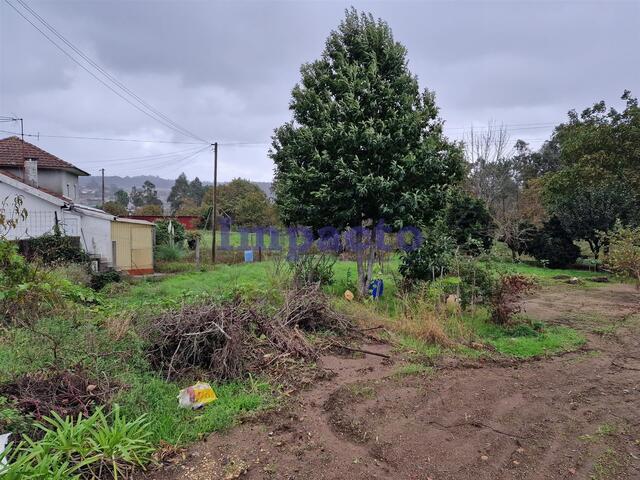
(573, 416)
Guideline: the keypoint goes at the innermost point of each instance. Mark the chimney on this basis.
(31, 171)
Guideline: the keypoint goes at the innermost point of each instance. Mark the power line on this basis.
(107, 74)
(172, 162)
(71, 137)
(140, 158)
(507, 126)
(156, 116)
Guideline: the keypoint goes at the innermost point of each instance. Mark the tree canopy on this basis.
(598, 181)
(365, 144)
(245, 203)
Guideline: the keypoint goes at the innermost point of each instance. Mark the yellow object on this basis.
(348, 295)
(196, 396)
(203, 393)
(132, 244)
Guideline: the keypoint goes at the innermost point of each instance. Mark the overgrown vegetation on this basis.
(624, 252)
(99, 446)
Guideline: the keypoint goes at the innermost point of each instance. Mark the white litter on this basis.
(4, 440)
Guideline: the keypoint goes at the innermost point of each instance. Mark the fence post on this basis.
(197, 253)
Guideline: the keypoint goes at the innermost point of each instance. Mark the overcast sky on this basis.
(225, 70)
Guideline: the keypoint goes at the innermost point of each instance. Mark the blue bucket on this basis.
(248, 256)
(376, 288)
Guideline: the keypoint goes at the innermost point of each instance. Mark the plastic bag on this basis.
(196, 396)
(4, 441)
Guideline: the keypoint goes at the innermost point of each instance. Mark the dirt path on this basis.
(571, 416)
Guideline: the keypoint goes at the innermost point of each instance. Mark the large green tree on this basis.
(244, 202)
(365, 144)
(599, 177)
(122, 198)
(179, 192)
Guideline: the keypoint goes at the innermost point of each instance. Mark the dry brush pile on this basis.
(230, 339)
(65, 392)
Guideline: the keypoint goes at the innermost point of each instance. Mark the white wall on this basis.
(59, 181)
(93, 228)
(95, 236)
(41, 214)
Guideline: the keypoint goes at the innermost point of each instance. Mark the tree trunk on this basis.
(365, 258)
(594, 245)
(360, 264)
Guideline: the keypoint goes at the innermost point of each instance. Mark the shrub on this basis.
(25, 292)
(312, 269)
(432, 259)
(469, 222)
(506, 296)
(100, 279)
(477, 283)
(54, 249)
(553, 245)
(77, 273)
(114, 208)
(162, 232)
(192, 237)
(100, 446)
(624, 252)
(12, 420)
(169, 253)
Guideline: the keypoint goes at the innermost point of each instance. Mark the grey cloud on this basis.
(225, 69)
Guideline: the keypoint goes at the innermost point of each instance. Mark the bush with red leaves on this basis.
(506, 297)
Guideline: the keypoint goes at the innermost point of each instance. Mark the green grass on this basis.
(520, 340)
(553, 340)
(179, 426)
(545, 275)
(608, 466)
(413, 369)
(222, 282)
(524, 339)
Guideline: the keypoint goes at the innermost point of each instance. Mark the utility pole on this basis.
(102, 171)
(214, 213)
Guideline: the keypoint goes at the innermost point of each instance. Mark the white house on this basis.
(40, 168)
(48, 187)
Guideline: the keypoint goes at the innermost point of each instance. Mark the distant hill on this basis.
(91, 190)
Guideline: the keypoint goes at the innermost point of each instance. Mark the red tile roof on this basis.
(45, 190)
(13, 152)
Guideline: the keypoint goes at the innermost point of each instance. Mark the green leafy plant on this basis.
(163, 237)
(56, 248)
(11, 213)
(365, 144)
(11, 420)
(169, 253)
(432, 260)
(94, 447)
(624, 252)
(553, 244)
(477, 282)
(469, 222)
(310, 269)
(100, 279)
